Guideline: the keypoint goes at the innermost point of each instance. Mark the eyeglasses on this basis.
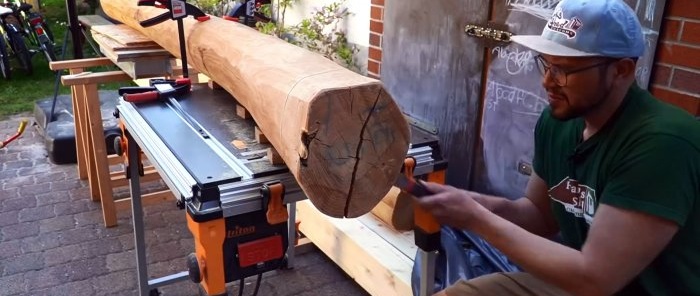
(560, 76)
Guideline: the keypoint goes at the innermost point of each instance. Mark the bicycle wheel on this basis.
(48, 31)
(4, 60)
(49, 51)
(22, 52)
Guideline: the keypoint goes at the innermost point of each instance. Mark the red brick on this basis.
(683, 8)
(376, 13)
(678, 54)
(691, 32)
(670, 29)
(376, 26)
(378, 2)
(687, 81)
(661, 75)
(375, 39)
(375, 53)
(689, 103)
(373, 67)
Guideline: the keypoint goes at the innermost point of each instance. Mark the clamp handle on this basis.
(273, 198)
(141, 97)
(427, 229)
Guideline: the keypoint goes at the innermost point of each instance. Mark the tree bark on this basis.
(340, 133)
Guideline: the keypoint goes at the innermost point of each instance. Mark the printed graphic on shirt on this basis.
(564, 26)
(577, 199)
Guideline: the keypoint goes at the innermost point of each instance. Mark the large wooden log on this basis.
(340, 133)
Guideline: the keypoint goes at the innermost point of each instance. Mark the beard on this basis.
(564, 108)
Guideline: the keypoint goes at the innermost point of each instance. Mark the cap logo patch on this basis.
(559, 24)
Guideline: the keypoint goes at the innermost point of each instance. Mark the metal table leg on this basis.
(427, 277)
(137, 216)
(292, 233)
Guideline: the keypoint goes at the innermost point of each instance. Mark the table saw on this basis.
(239, 207)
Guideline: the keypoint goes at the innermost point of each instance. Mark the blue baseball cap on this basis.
(580, 28)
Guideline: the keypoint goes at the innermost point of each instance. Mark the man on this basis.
(616, 174)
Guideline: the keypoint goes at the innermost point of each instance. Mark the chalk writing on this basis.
(542, 9)
(516, 62)
(497, 93)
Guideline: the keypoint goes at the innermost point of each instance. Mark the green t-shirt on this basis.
(646, 158)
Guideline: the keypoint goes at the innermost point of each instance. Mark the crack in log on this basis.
(357, 155)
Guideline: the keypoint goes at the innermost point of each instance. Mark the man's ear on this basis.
(625, 69)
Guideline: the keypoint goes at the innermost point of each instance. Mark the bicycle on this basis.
(11, 30)
(35, 28)
(4, 60)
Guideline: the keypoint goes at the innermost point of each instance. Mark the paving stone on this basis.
(115, 282)
(74, 207)
(66, 185)
(50, 177)
(9, 218)
(10, 249)
(20, 230)
(34, 189)
(88, 218)
(56, 224)
(34, 170)
(78, 235)
(165, 252)
(22, 263)
(47, 277)
(63, 254)
(18, 203)
(9, 157)
(40, 243)
(17, 164)
(14, 284)
(101, 246)
(121, 261)
(18, 182)
(71, 288)
(85, 268)
(38, 213)
(52, 197)
(8, 175)
(79, 194)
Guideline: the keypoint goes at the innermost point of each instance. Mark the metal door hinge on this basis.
(490, 34)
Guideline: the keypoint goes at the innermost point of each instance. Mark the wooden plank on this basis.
(90, 20)
(79, 122)
(94, 78)
(123, 34)
(106, 41)
(100, 154)
(403, 241)
(81, 63)
(118, 179)
(146, 199)
(375, 264)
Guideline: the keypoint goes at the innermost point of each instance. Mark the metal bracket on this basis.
(429, 128)
(492, 34)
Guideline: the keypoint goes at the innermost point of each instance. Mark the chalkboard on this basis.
(514, 95)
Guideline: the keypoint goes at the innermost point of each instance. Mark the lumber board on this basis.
(123, 34)
(114, 45)
(340, 133)
(372, 260)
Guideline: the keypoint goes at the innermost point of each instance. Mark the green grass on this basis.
(18, 94)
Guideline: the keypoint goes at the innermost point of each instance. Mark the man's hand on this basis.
(451, 206)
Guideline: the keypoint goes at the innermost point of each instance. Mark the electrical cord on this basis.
(257, 284)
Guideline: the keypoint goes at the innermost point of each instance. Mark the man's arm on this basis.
(533, 213)
(620, 244)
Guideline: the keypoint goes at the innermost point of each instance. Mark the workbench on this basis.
(210, 160)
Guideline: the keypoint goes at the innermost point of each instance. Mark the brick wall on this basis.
(676, 74)
(376, 30)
